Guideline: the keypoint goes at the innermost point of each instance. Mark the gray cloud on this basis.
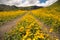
(24, 3)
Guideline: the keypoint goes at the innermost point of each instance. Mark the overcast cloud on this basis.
(24, 3)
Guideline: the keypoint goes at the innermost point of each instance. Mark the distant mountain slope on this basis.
(6, 7)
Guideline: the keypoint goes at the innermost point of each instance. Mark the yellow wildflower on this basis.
(42, 35)
(57, 39)
(28, 38)
(47, 35)
(33, 38)
(27, 31)
(51, 30)
(21, 29)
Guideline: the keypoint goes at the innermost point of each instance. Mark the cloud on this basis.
(24, 3)
(47, 3)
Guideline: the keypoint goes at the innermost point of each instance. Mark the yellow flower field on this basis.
(37, 24)
(9, 15)
(50, 17)
(28, 29)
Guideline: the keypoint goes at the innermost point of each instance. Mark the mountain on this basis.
(8, 8)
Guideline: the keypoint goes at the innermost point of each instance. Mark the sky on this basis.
(25, 3)
(42, 1)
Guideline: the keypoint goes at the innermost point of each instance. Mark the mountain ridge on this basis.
(7, 7)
